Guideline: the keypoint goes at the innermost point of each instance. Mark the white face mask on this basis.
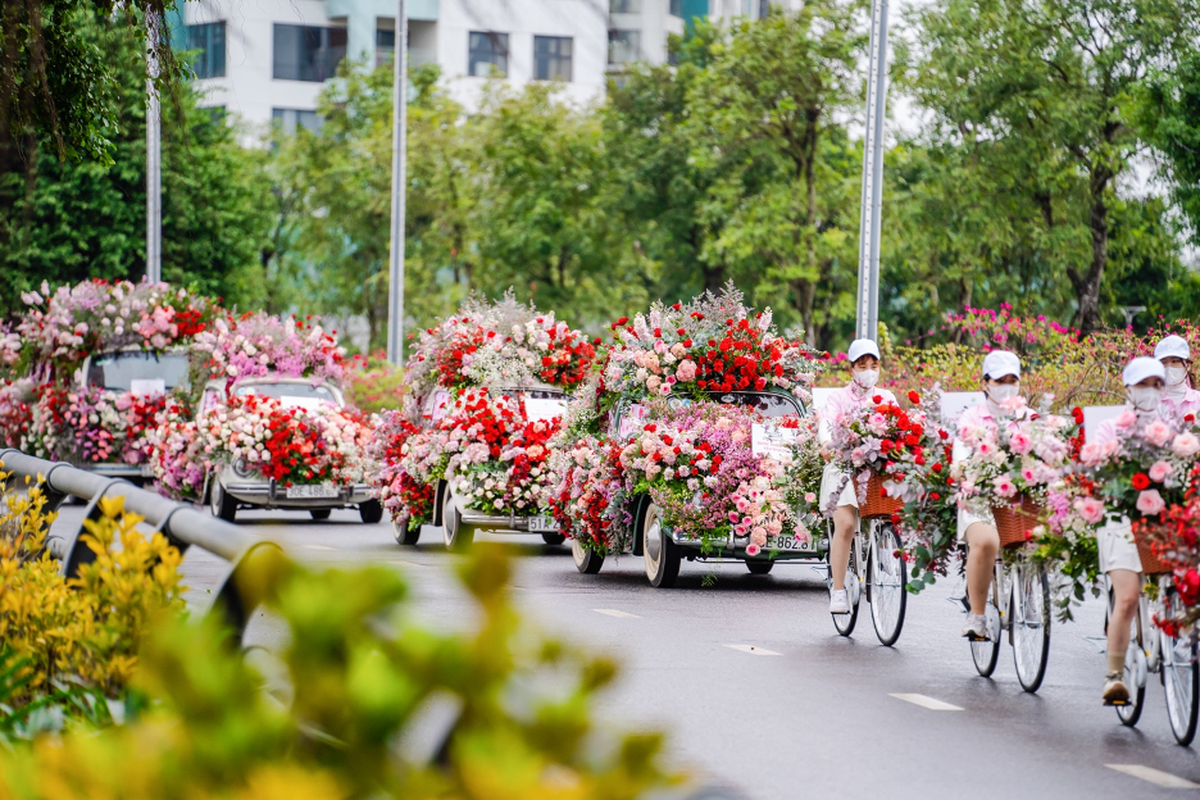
(1004, 391)
(867, 378)
(1145, 398)
(1176, 376)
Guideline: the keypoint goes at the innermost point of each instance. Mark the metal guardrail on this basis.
(182, 524)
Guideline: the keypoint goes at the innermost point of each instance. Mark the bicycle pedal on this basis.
(974, 638)
(1117, 703)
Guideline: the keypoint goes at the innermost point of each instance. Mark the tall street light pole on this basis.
(153, 153)
(872, 184)
(395, 339)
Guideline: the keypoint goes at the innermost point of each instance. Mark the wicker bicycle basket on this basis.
(1151, 564)
(877, 505)
(1013, 521)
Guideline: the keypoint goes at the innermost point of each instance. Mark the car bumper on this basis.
(272, 495)
(507, 522)
(136, 473)
(735, 547)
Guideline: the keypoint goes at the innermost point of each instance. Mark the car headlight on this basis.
(241, 468)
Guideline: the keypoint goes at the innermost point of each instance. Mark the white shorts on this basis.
(830, 478)
(966, 519)
(1114, 540)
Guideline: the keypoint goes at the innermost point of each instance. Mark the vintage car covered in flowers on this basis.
(486, 391)
(93, 366)
(698, 445)
(284, 442)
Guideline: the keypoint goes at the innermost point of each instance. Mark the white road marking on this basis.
(318, 547)
(406, 563)
(612, 612)
(752, 650)
(1155, 776)
(926, 702)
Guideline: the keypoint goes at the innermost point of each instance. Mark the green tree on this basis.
(1039, 95)
(77, 219)
(785, 204)
(1171, 112)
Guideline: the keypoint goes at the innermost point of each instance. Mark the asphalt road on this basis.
(760, 694)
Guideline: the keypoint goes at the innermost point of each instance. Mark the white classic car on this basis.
(235, 486)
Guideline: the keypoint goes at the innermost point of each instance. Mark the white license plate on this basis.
(542, 524)
(147, 471)
(312, 491)
(786, 543)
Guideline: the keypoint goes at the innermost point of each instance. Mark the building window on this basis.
(288, 119)
(209, 39)
(306, 53)
(487, 54)
(624, 47)
(552, 58)
(675, 8)
(625, 6)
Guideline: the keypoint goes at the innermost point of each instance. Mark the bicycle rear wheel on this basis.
(1181, 680)
(1030, 632)
(888, 578)
(844, 623)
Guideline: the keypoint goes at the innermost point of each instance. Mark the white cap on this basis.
(999, 363)
(1141, 368)
(860, 348)
(1173, 345)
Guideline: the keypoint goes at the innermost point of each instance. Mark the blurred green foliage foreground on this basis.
(361, 701)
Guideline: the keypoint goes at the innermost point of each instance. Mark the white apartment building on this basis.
(266, 61)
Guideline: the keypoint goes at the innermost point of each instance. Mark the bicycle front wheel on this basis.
(1135, 670)
(888, 576)
(1030, 632)
(844, 623)
(1181, 680)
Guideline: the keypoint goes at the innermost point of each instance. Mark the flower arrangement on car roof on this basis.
(712, 344)
(72, 322)
(498, 344)
(255, 344)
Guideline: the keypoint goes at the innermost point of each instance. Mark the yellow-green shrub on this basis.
(86, 629)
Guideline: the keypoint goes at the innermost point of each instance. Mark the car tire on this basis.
(222, 505)
(370, 512)
(659, 552)
(320, 513)
(457, 536)
(402, 532)
(587, 560)
(759, 567)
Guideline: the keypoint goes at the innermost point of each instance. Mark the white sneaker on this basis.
(839, 601)
(976, 628)
(1115, 692)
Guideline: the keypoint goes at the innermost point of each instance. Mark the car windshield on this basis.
(139, 372)
(304, 395)
(769, 405)
(544, 403)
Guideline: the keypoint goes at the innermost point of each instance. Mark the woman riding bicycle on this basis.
(1144, 379)
(863, 357)
(1180, 398)
(1001, 385)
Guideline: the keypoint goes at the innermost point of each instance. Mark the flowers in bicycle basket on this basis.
(1174, 537)
(887, 439)
(1026, 453)
(1137, 470)
(713, 344)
